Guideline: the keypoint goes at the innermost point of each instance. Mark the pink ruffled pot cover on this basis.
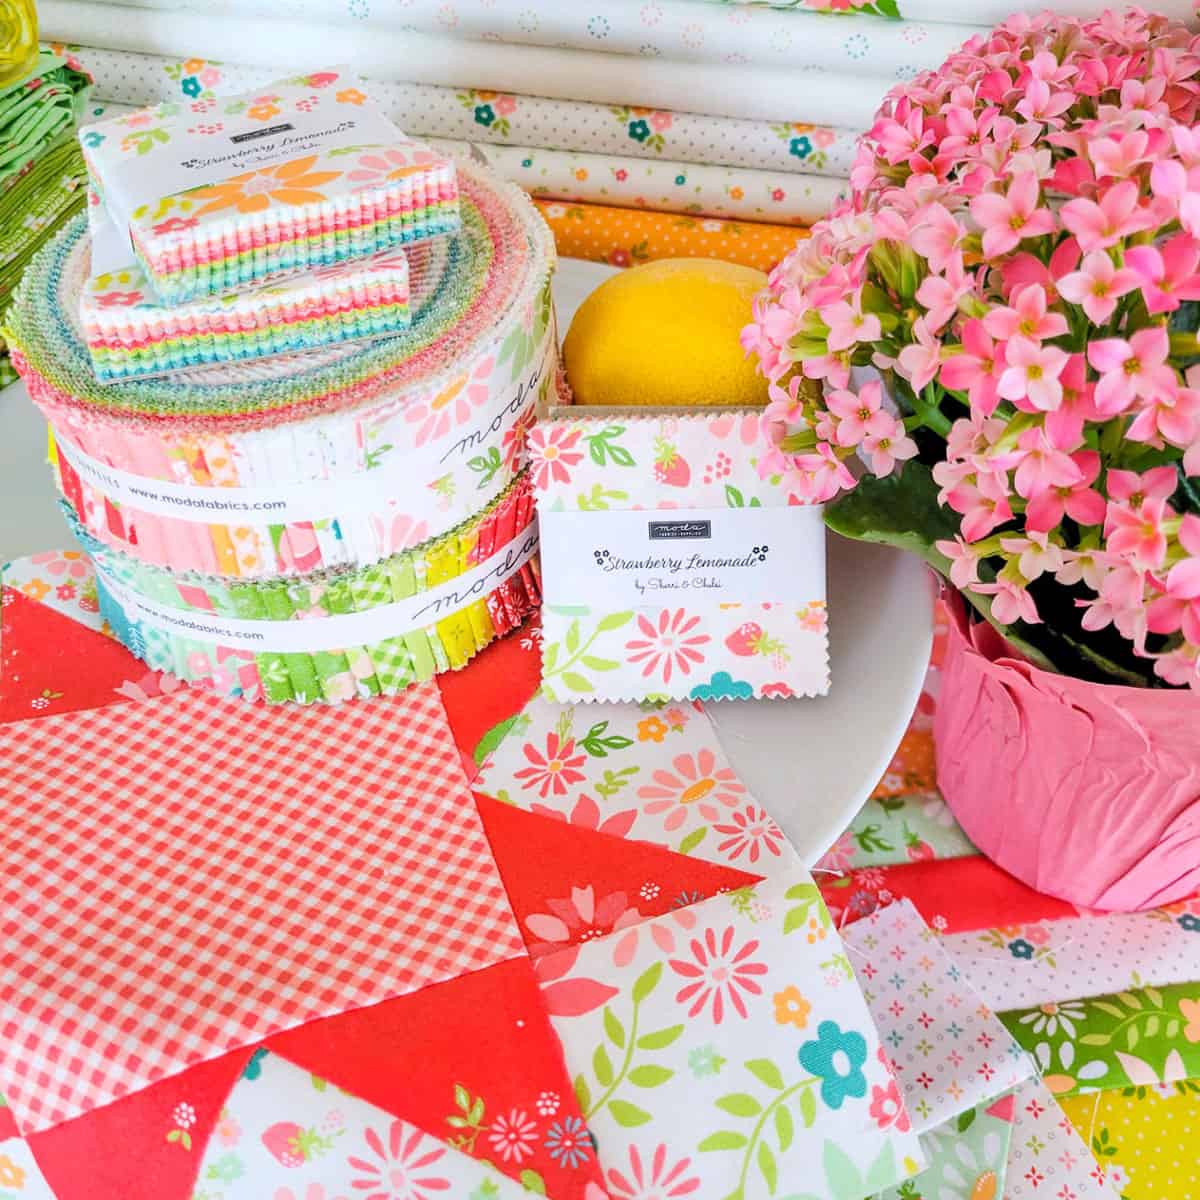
(1088, 792)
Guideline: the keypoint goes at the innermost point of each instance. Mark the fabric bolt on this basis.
(507, 118)
(774, 93)
(653, 775)
(670, 29)
(725, 192)
(985, 12)
(286, 889)
(1143, 1138)
(742, 1060)
(947, 1049)
(624, 237)
(1140, 1037)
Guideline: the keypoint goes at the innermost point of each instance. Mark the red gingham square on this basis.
(191, 875)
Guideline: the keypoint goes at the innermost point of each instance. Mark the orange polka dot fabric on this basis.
(624, 237)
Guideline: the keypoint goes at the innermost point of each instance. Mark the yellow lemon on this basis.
(666, 334)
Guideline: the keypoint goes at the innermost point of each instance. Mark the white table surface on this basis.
(812, 763)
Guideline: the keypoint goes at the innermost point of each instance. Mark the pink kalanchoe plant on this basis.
(1020, 265)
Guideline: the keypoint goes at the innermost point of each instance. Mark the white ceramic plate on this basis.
(812, 763)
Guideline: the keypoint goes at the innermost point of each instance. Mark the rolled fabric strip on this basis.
(468, 284)
(328, 490)
(131, 336)
(336, 635)
(302, 175)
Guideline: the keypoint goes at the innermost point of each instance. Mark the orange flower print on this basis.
(652, 729)
(581, 174)
(36, 589)
(263, 110)
(350, 96)
(791, 1008)
(292, 182)
(193, 66)
(736, 193)
(11, 1176)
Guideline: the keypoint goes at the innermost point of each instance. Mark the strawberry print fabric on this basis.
(178, 885)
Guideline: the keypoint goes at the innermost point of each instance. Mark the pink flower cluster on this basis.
(1017, 265)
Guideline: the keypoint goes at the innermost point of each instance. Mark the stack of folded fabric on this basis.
(288, 414)
(42, 176)
(666, 128)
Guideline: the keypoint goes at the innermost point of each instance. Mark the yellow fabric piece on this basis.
(1148, 1141)
(623, 237)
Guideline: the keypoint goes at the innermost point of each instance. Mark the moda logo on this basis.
(253, 135)
(664, 531)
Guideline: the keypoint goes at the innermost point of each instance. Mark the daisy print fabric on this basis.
(673, 566)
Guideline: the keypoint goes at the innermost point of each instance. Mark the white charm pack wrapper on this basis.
(671, 569)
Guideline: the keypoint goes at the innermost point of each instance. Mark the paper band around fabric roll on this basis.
(337, 635)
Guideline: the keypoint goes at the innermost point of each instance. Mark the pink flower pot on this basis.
(1088, 792)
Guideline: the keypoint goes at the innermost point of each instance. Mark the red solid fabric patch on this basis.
(124, 1151)
(453, 1058)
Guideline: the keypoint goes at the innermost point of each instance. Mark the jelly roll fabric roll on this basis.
(360, 474)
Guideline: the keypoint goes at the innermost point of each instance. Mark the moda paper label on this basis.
(329, 632)
(671, 568)
(618, 559)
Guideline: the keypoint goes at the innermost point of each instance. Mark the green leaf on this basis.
(1111, 1009)
(549, 655)
(1132, 1036)
(173, 1136)
(602, 1067)
(660, 1039)
(1154, 996)
(493, 738)
(1129, 1000)
(965, 1120)
(795, 919)
(457, 1122)
(646, 982)
(462, 1098)
(603, 664)
(185, 1139)
(613, 621)
(572, 638)
(476, 1113)
(650, 1076)
(785, 1128)
(693, 839)
(767, 1072)
(614, 1029)
(1152, 1027)
(725, 1140)
(583, 1094)
(1095, 1039)
(626, 1114)
(767, 1167)
(733, 497)
(740, 1104)
(808, 1107)
(577, 683)
(1171, 1030)
(531, 1181)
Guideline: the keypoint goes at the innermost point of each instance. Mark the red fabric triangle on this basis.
(432, 1056)
(954, 895)
(568, 880)
(1004, 1109)
(126, 1151)
(51, 664)
(492, 689)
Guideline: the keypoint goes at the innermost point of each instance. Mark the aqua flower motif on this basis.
(704, 1062)
(639, 130)
(92, 139)
(569, 1142)
(1190, 922)
(191, 86)
(253, 1068)
(680, 180)
(1021, 948)
(527, 162)
(836, 1057)
(801, 147)
(226, 1169)
(484, 114)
